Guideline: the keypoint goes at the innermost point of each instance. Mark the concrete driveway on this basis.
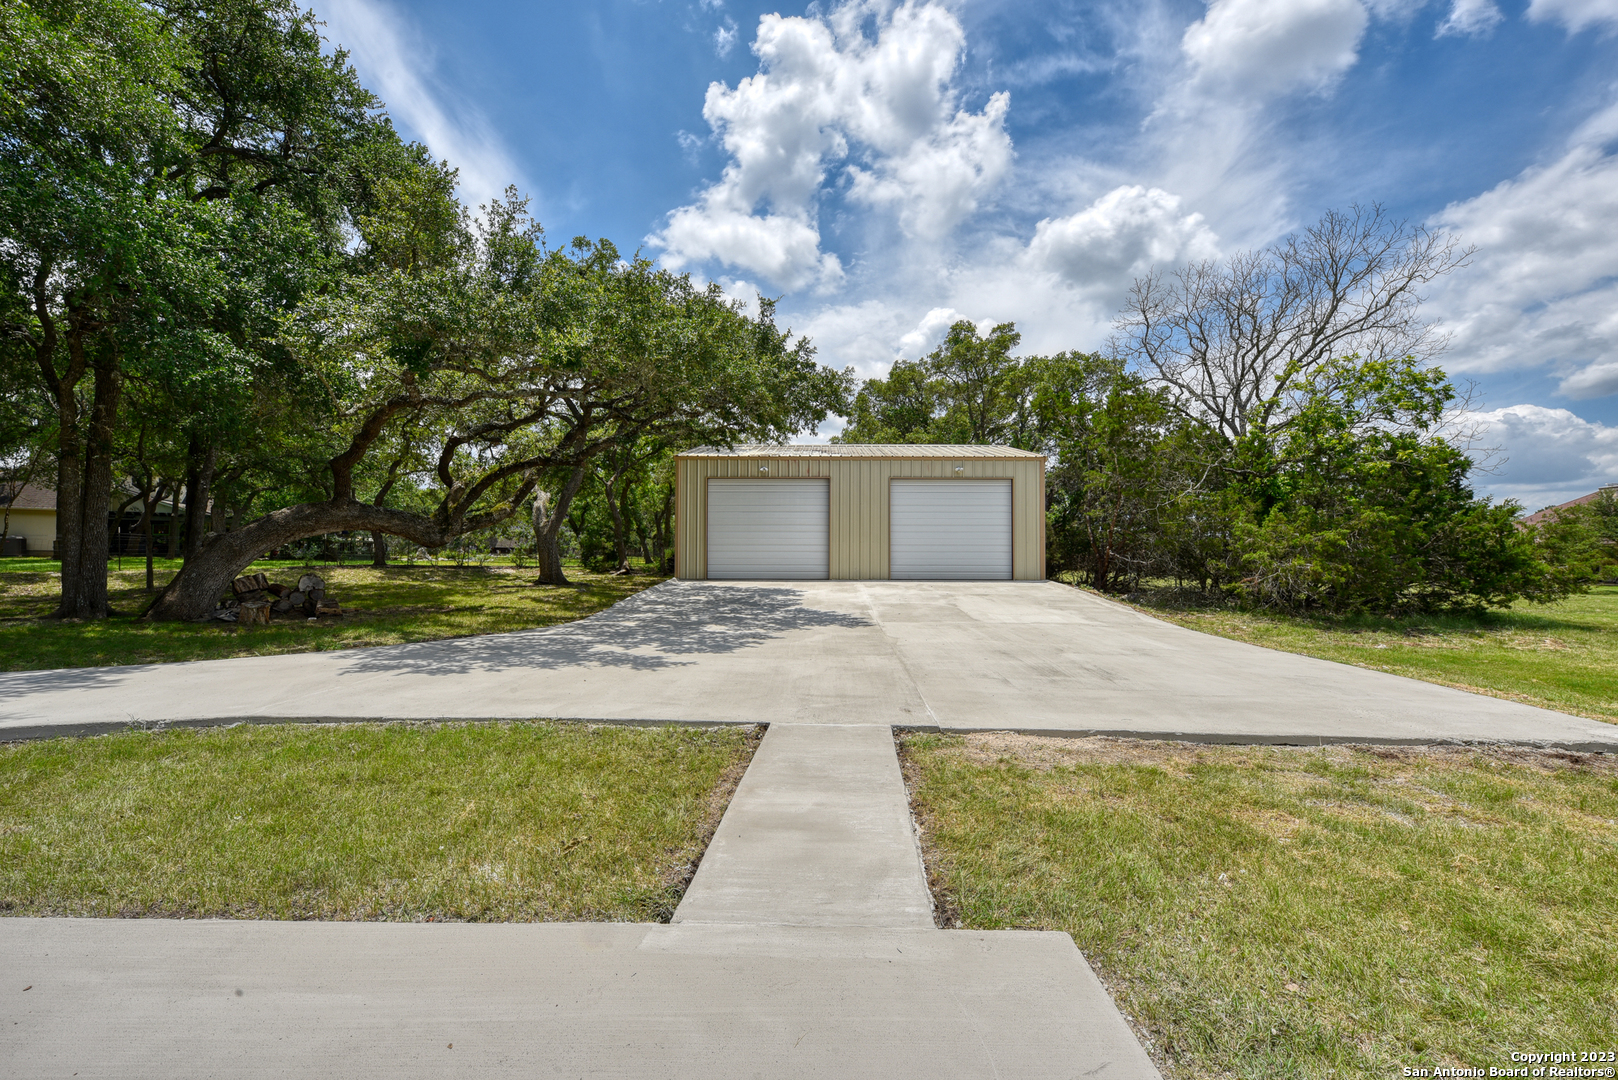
(805, 944)
(1032, 656)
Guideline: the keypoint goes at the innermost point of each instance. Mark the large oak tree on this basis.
(172, 176)
(504, 363)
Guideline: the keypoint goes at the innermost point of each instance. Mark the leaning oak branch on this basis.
(196, 590)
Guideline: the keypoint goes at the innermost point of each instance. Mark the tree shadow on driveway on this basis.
(670, 625)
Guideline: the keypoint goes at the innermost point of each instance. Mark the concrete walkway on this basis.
(804, 947)
(817, 834)
(1029, 656)
(139, 999)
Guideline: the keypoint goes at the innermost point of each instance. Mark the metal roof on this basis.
(862, 450)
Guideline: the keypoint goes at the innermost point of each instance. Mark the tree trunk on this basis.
(620, 535)
(379, 548)
(207, 574)
(198, 487)
(63, 387)
(222, 487)
(548, 536)
(661, 526)
(541, 502)
(69, 503)
(637, 526)
(171, 544)
(148, 505)
(84, 576)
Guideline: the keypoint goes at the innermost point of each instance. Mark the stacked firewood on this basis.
(256, 598)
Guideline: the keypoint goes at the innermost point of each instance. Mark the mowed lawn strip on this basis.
(1561, 656)
(499, 821)
(391, 606)
(1276, 911)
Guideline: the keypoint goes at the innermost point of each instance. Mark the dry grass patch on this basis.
(401, 822)
(1282, 911)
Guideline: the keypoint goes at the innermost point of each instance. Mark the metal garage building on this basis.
(860, 512)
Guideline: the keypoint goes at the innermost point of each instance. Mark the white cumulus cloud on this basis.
(866, 91)
(1120, 236)
(929, 332)
(936, 181)
(1543, 289)
(865, 335)
(1256, 48)
(1551, 455)
(784, 247)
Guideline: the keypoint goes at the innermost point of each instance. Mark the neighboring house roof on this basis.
(31, 497)
(34, 497)
(1551, 511)
(863, 450)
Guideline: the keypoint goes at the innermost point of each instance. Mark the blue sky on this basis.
(886, 167)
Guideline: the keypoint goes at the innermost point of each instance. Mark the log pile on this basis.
(256, 599)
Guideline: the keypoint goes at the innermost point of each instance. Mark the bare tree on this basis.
(1232, 338)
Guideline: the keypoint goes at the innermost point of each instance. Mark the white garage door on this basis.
(956, 529)
(768, 528)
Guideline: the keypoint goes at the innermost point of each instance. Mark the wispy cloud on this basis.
(1470, 18)
(396, 64)
(1576, 15)
(724, 38)
(690, 145)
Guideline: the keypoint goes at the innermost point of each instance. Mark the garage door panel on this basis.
(768, 529)
(950, 530)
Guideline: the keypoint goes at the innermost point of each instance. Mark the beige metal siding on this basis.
(912, 451)
(859, 499)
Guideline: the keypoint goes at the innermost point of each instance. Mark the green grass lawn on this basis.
(510, 821)
(1561, 656)
(1268, 911)
(393, 605)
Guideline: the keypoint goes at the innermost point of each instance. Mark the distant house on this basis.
(33, 523)
(1551, 512)
(33, 518)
